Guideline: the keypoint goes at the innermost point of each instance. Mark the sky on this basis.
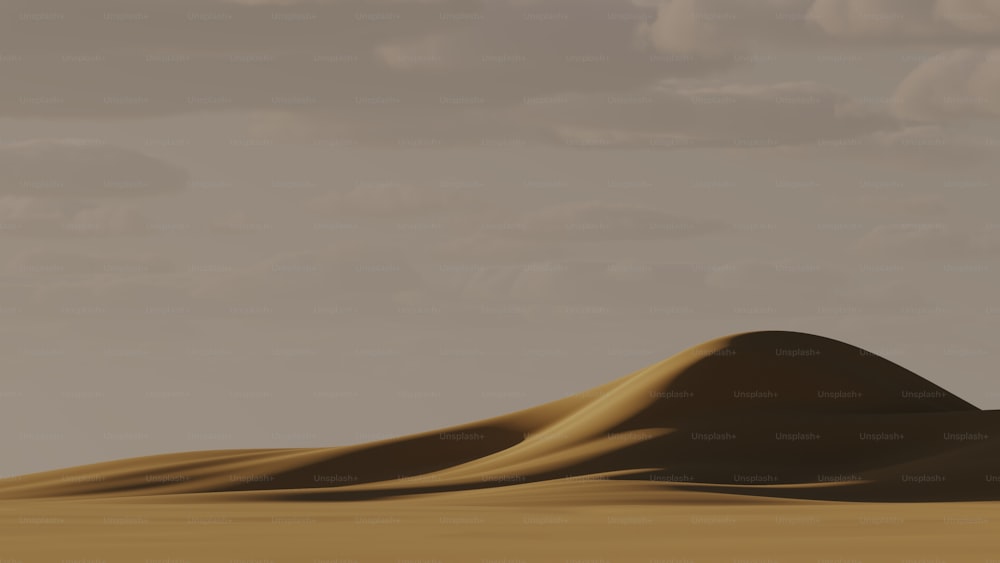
(290, 223)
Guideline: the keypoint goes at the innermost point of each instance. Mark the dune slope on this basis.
(773, 413)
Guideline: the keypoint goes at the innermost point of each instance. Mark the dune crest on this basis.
(771, 413)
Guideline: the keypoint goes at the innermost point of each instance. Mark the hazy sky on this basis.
(267, 223)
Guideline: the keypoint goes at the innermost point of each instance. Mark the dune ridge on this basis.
(765, 414)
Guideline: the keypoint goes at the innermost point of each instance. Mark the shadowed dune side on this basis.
(775, 414)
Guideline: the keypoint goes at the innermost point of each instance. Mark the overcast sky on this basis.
(269, 223)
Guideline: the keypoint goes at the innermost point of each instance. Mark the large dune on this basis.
(766, 414)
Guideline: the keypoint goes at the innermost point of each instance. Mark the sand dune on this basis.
(765, 414)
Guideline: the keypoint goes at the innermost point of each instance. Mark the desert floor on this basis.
(565, 521)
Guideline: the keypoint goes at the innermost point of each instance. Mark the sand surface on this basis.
(767, 446)
(596, 522)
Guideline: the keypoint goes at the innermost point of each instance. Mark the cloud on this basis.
(958, 84)
(430, 52)
(887, 296)
(316, 57)
(930, 241)
(447, 73)
(927, 206)
(542, 283)
(638, 289)
(593, 221)
(83, 168)
(778, 276)
(45, 262)
(239, 222)
(598, 285)
(493, 244)
(721, 29)
(270, 2)
(927, 146)
(307, 284)
(933, 144)
(909, 20)
(26, 216)
(165, 296)
(346, 274)
(807, 289)
(395, 201)
(728, 30)
(444, 74)
(546, 235)
(731, 116)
